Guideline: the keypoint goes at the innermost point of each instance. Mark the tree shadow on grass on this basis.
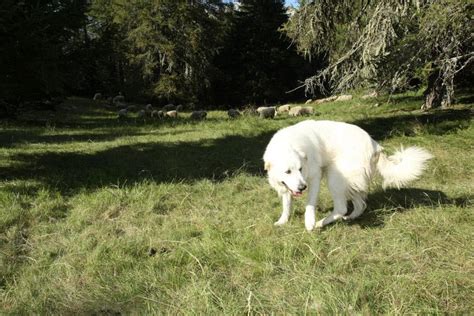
(435, 123)
(12, 138)
(381, 205)
(214, 159)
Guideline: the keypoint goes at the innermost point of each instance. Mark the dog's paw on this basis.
(320, 224)
(309, 227)
(309, 219)
(279, 223)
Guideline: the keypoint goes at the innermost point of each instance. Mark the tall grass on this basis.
(105, 217)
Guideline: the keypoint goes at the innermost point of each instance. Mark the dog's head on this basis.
(286, 171)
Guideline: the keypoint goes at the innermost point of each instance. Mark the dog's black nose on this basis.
(302, 187)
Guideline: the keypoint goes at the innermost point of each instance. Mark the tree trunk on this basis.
(436, 94)
(434, 91)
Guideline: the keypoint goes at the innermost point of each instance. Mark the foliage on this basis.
(258, 62)
(214, 54)
(99, 62)
(36, 37)
(172, 42)
(385, 43)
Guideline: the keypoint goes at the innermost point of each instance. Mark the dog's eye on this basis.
(301, 169)
(288, 171)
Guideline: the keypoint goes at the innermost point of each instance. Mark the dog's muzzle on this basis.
(298, 193)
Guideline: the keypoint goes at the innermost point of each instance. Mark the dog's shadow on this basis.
(381, 205)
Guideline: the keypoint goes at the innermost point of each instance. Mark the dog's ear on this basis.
(267, 166)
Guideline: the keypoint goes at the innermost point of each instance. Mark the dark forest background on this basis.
(203, 52)
(215, 54)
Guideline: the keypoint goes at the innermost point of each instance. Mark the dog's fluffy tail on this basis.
(402, 167)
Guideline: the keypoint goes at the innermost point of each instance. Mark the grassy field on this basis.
(105, 217)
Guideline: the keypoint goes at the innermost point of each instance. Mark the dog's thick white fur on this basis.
(298, 156)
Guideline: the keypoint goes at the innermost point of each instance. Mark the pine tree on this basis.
(260, 63)
(34, 51)
(172, 42)
(385, 43)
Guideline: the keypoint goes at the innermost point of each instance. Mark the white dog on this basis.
(297, 157)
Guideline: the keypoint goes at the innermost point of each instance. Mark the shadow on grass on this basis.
(383, 204)
(11, 138)
(81, 113)
(214, 159)
(107, 120)
(435, 123)
(465, 98)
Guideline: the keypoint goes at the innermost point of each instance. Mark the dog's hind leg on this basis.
(313, 191)
(358, 200)
(285, 215)
(338, 187)
(336, 214)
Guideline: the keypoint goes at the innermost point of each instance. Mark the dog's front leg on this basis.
(313, 191)
(285, 215)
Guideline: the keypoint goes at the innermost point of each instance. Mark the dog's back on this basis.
(329, 141)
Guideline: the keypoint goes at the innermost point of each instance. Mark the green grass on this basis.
(176, 217)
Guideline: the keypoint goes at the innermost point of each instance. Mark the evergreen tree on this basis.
(385, 43)
(33, 54)
(111, 68)
(172, 43)
(259, 62)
